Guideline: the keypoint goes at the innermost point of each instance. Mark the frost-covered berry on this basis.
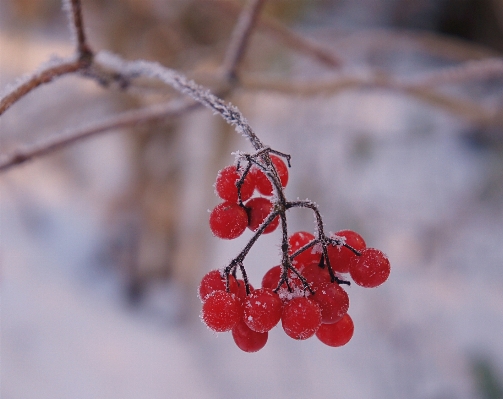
(228, 220)
(214, 281)
(262, 309)
(333, 301)
(221, 311)
(225, 185)
(301, 318)
(262, 183)
(371, 269)
(258, 210)
(340, 256)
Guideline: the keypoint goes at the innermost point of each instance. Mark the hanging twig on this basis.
(288, 37)
(74, 10)
(240, 38)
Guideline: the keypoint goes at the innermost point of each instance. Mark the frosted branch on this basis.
(46, 74)
(73, 10)
(179, 82)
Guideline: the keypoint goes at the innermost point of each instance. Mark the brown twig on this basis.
(125, 119)
(44, 76)
(467, 71)
(77, 22)
(291, 39)
(240, 38)
(83, 60)
(468, 110)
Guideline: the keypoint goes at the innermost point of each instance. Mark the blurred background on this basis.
(103, 244)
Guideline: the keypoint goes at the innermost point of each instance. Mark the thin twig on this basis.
(469, 110)
(129, 118)
(467, 71)
(240, 38)
(291, 39)
(45, 75)
(77, 22)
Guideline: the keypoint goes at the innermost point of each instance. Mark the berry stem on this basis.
(322, 239)
(241, 181)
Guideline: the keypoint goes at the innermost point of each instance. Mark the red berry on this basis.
(213, 281)
(298, 240)
(333, 301)
(336, 334)
(271, 278)
(226, 188)
(370, 269)
(221, 311)
(259, 209)
(262, 309)
(301, 318)
(263, 184)
(340, 256)
(228, 220)
(314, 274)
(248, 340)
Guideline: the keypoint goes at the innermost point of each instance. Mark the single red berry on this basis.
(370, 269)
(248, 340)
(258, 210)
(340, 256)
(262, 309)
(333, 301)
(271, 278)
(221, 311)
(228, 220)
(214, 281)
(263, 184)
(301, 318)
(314, 274)
(298, 240)
(337, 334)
(226, 188)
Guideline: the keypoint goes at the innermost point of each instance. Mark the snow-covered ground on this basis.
(388, 166)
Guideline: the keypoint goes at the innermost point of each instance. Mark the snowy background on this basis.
(412, 179)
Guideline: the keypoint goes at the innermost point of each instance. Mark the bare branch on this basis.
(467, 71)
(74, 10)
(291, 39)
(129, 118)
(299, 43)
(240, 38)
(30, 83)
(468, 110)
(154, 70)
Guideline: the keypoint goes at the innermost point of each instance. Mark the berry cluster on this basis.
(305, 291)
(230, 218)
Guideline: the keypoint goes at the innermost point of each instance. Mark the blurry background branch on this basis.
(125, 119)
